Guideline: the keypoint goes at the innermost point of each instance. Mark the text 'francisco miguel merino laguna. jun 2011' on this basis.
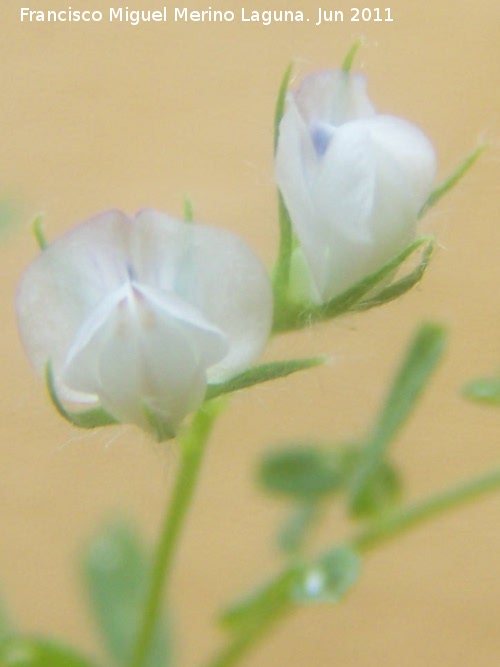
(134, 17)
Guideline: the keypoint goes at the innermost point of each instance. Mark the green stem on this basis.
(192, 446)
(379, 532)
(393, 524)
(243, 644)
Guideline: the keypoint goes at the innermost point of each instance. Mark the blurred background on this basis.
(103, 115)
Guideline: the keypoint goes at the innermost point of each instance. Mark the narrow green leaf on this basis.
(349, 59)
(263, 373)
(485, 390)
(37, 652)
(85, 419)
(453, 179)
(38, 232)
(279, 108)
(115, 570)
(420, 362)
(329, 578)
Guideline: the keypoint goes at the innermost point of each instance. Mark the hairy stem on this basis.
(192, 445)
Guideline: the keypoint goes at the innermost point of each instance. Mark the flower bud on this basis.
(137, 315)
(353, 181)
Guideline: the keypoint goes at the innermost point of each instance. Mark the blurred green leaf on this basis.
(420, 362)
(293, 534)
(326, 579)
(6, 626)
(271, 599)
(9, 216)
(485, 390)
(303, 472)
(381, 489)
(263, 373)
(115, 569)
(34, 652)
(329, 578)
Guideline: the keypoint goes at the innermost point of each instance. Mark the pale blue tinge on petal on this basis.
(353, 181)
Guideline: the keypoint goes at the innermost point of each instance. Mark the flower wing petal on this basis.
(62, 286)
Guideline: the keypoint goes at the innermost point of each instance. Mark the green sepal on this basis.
(38, 652)
(159, 428)
(351, 54)
(329, 578)
(281, 273)
(188, 210)
(263, 373)
(452, 180)
(115, 570)
(484, 390)
(85, 419)
(362, 295)
(38, 232)
(403, 285)
(279, 108)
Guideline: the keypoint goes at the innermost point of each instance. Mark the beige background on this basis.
(99, 116)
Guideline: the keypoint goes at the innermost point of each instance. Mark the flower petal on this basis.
(218, 274)
(334, 97)
(63, 285)
(140, 351)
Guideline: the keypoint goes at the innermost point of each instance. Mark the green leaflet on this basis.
(484, 390)
(39, 652)
(115, 569)
(419, 364)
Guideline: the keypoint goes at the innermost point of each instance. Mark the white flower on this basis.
(353, 180)
(137, 315)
